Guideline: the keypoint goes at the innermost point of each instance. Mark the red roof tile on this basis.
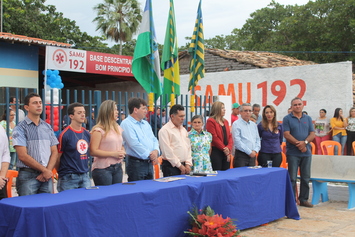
(24, 39)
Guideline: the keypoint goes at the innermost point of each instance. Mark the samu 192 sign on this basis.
(73, 60)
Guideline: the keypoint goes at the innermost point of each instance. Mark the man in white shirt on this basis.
(4, 161)
(246, 138)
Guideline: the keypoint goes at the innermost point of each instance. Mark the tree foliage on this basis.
(118, 19)
(312, 30)
(231, 42)
(320, 31)
(35, 19)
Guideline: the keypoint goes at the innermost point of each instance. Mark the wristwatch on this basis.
(305, 141)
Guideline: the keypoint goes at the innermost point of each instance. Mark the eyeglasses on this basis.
(297, 104)
(247, 111)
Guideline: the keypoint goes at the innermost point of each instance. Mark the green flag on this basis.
(145, 65)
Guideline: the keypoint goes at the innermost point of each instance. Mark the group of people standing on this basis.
(339, 128)
(251, 140)
(199, 150)
(246, 139)
(39, 151)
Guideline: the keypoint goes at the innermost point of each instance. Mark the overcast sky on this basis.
(219, 16)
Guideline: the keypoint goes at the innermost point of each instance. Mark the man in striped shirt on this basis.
(36, 147)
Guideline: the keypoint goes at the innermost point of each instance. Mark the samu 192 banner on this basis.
(75, 60)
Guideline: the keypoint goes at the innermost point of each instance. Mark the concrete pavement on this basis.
(325, 219)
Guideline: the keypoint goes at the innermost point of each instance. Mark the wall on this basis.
(325, 86)
(18, 65)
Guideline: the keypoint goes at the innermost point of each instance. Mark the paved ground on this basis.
(325, 219)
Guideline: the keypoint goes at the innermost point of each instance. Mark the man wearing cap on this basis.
(235, 112)
(123, 116)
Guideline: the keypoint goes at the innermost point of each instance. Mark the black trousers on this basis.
(169, 170)
(219, 159)
(264, 157)
(3, 192)
(241, 159)
(349, 142)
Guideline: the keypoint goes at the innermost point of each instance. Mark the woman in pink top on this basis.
(106, 146)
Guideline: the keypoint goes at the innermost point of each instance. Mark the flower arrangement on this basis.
(207, 224)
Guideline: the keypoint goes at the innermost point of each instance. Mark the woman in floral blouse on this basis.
(200, 146)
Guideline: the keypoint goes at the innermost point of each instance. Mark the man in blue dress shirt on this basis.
(141, 145)
(246, 138)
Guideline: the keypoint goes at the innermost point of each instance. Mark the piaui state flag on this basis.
(197, 52)
(170, 60)
(145, 65)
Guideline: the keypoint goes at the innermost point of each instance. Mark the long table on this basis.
(149, 208)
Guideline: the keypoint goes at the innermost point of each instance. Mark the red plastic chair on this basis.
(10, 175)
(328, 147)
(283, 147)
(313, 148)
(157, 168)
(55, 174)
(231, 166)
(284, 161)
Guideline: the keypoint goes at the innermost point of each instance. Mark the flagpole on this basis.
(151, 46)
(2, 13)
(151, 94)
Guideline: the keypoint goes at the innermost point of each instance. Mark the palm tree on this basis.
(118, 19)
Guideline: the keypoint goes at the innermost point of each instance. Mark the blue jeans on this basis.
(13, 160)
(139, 170)
(110, 175)
(342, 140)
(27, 184)
(304, 162)
(72, 181)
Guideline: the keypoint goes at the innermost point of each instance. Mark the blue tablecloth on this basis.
(149, 208)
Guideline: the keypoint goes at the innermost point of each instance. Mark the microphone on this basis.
(197, 174)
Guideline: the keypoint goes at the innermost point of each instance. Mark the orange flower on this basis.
(208, 224)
